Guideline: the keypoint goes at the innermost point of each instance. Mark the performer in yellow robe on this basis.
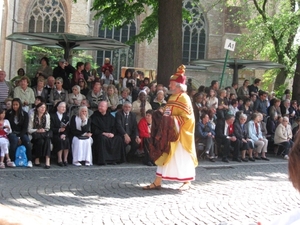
(179, 164)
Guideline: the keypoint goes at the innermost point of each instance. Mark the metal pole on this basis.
(224, 67)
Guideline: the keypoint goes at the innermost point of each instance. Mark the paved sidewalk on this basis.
(235, 193)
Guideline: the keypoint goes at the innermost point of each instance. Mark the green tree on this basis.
(271, 30)
(34, 54)
(166, 17)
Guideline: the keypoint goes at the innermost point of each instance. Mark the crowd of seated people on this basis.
(83, 120)
(248, 121)
(97, 122)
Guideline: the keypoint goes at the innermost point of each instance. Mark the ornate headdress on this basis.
(179, 76)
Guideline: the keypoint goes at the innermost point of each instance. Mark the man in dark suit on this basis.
(127, 128)
(225, 137)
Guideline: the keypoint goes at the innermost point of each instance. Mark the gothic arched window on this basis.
(193, 34)
(47, 16)
(122, 57)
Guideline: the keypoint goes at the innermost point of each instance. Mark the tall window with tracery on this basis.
(47, 16)
(122, 57)
(193, 34)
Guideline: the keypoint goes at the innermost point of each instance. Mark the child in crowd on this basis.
(4, 142)
(8, 103)
(107, 66)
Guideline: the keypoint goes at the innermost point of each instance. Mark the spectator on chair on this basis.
(263, 126)
(18, 120)
(243, 91)
(40, 89)
(58, 94)
(84, 102)
(144, 127)
(254, 133)
(246, 108)
(112, 98)
(198, 106)
(241, 133)
(127, 128)
(285, 105)
(108, 147)
(206, 135)
(260, 105)
(223, 104)
(272, 123)
(24, 93)
(59, 125)
(125, 96)
(283, 136)
(293, 111)
(159, 101)
(253, 88)
(140, 106)
(233, 107)
(225, 136)
(80, 130)
(274, 108)
(96, 95)
(75, 97)
(212, 100)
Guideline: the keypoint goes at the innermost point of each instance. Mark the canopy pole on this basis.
(224, 67)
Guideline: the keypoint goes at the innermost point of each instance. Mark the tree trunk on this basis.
(296, 81)
(280, 79)
(169, 39)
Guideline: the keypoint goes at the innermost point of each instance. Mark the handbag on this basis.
(38, 135)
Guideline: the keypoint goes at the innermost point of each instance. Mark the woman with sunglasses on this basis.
(58, 93)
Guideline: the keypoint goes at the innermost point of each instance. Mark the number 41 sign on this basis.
(229, 45)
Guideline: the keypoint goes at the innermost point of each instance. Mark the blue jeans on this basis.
(13, 139)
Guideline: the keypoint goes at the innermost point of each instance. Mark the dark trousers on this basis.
(13, 140)
(133, 147)
(287, 145)
(228, 145)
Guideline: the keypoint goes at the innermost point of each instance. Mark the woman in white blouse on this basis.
(212, 100)
(38, 127)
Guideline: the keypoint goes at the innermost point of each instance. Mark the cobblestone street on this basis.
(235, 193)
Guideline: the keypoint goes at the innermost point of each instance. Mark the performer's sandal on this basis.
(154, 187)
(185, 187)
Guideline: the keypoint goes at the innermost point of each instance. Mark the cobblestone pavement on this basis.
(236, 193)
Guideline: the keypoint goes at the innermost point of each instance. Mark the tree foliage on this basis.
(117, 13)
(34, 54)
(271, 31)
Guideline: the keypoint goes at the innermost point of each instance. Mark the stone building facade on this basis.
(210, 25)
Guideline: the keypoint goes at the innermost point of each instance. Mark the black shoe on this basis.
(236, 159)
(114, 163)
(149, 164)
(60, 164)
(212, 160)
(65, 163)
(35, 164)
(47, 167)
(225, 160)
(251, 159)
(257, 158)
(265, 158)
(244, 159)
